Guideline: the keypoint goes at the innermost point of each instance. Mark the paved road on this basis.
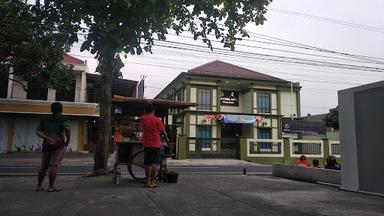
(194, 194)
(75, 163)
(222, 169)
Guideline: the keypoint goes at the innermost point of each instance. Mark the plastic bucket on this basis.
(172, 177)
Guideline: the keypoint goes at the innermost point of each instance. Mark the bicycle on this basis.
(135, 166)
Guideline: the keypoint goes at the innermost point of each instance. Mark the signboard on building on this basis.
(303, 127)
(229, 98)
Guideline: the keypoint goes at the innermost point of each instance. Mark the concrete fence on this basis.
(286, 150)
(308, 174)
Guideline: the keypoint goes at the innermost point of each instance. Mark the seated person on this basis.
(303, 161)
(316, 163)
(332, 163)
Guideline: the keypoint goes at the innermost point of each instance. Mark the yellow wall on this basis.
(274, 104)
(46, 109)
(214, 99)
(286, 105)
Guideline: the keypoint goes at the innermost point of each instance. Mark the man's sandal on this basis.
(39, 189)
(54, 190)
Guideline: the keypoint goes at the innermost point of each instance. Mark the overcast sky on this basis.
(319, 84)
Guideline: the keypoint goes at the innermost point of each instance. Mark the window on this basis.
(264, 133)
(67, 93)
(263, 103)
(204, 136)
(3, 85)
(204, 99)
(37, 90)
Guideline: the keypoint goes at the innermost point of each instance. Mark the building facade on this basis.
(21, 110)
(232, 103)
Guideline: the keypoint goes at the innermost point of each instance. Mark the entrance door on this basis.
(230, 143)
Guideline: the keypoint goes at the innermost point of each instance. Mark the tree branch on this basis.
(20, 82)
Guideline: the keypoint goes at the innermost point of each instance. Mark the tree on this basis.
(116, 27)
(32, 44)
(332, 118)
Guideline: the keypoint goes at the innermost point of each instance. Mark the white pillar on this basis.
(51, 96)
(77, 86)
(18, 90)
(83, 86)
(10, 83)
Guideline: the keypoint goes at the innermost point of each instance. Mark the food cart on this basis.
(127, 133)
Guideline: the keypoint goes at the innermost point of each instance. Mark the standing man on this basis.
(52, 130)
(152, 128)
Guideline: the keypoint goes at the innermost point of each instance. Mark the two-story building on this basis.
(21, 108)
(232, 103)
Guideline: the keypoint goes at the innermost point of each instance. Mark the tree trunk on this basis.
(103, 136)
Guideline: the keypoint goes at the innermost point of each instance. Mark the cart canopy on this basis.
(134, 106)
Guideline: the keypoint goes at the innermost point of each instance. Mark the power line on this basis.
(306, 80)
(290, 51)
(276, 58)
(287, 43)
(377, 60)
(320, 81)
(283, 42)
(178, 53)
(329, 20)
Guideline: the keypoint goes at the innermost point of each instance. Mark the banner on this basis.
(213, 117)
(235, 119)
(239, 119)
(303, 127)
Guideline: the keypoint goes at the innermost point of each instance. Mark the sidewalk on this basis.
(34, 159)
(192, 195)
(79, 159)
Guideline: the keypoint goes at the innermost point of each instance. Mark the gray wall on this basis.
(361, 116)
(369, 110)
(349, 171)
(3, 134)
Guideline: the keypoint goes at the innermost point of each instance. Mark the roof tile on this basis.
(68, 59)
(219, 68)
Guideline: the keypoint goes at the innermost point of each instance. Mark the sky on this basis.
(291, 20)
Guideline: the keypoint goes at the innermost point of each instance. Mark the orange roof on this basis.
(68, 59)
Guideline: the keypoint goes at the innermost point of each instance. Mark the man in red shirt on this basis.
(303, 161)
(152, 128)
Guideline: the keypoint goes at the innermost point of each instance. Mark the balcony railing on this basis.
(310, 148)
(264, 148)
(334, 148)
(198, 145)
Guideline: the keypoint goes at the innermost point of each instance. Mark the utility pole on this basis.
(291, 100)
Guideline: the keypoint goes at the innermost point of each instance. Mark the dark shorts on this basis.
(151, 156)
(51, 158)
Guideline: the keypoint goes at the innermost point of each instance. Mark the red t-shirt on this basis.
(303, 163)
(152, 127)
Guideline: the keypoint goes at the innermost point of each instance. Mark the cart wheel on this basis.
(116, 178)
(162, 173)
(136, 166)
